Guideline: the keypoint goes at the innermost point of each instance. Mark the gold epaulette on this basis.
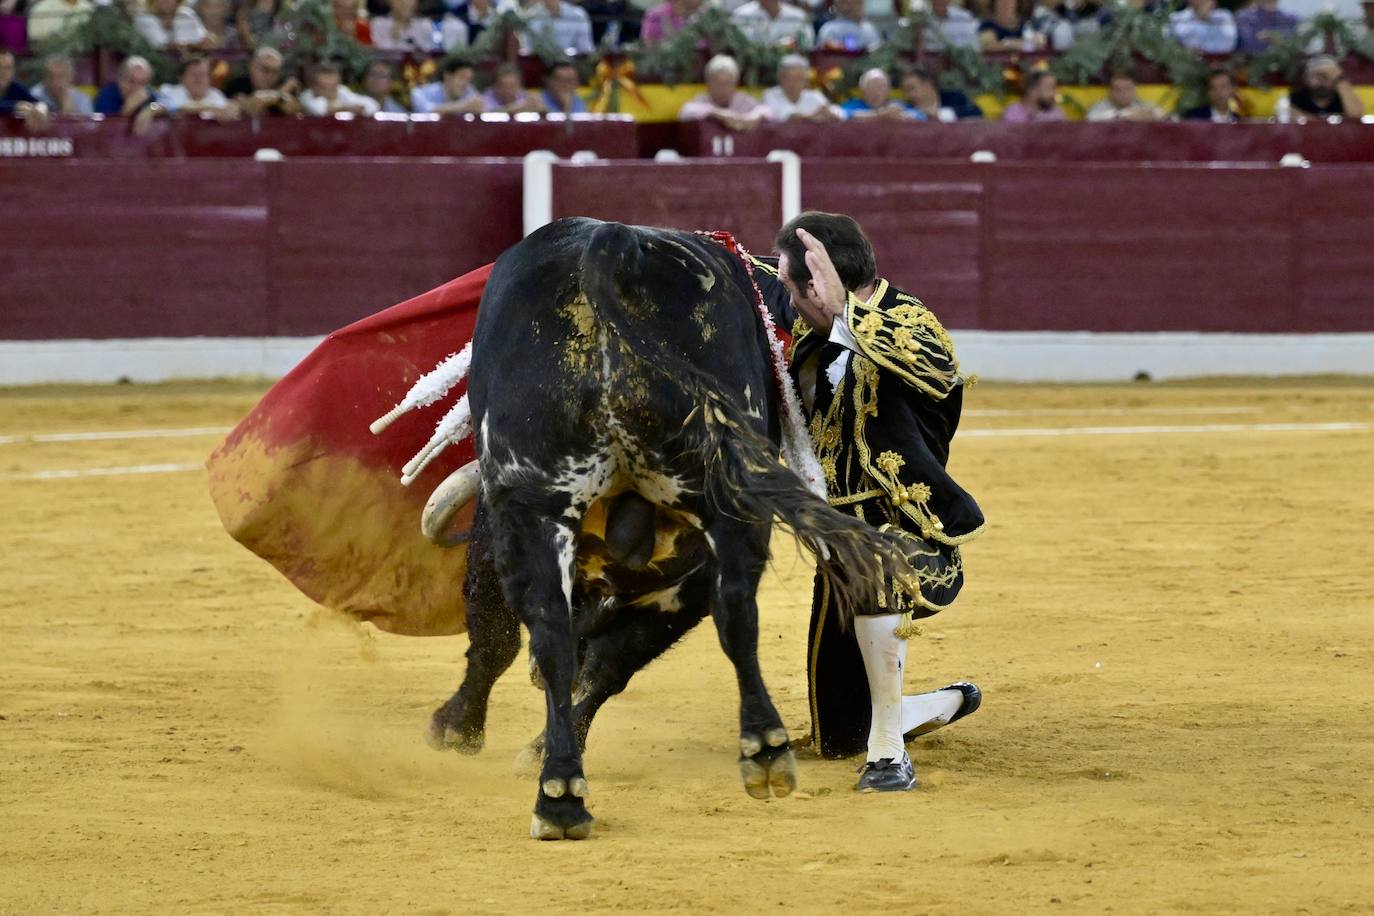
(901, 335)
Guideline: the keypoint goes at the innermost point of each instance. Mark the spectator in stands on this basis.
(560, 90)
(265, 88)
(349, 22)
(379, 84)
(775, 23)
(453, 94)
(1325, 91)
(1203, 27)
(477, 15)
(193, 96)
(1110, 10)
(1221, 100)
(131, 90)
(1009, 30)
(790, 100)
(14, 97)
(564, 24)
(1123, 102)
(953, 25)
(849, 30)
(255, 21)
(401, 29)
(56, 90)
(666, 20)
(1039, 101)
(48, 17)
(328, 95)
(1261, 24)
(875, 100)
(723, 101)
(507, 94)
(945, 106)
(173, 25)
(214, 15)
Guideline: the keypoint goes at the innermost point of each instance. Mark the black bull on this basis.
(627, 425)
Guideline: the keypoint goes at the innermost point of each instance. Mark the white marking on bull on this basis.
(665, 599)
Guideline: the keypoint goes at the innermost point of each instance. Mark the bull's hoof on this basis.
(767, 765)
(444, 737)
(560, 813)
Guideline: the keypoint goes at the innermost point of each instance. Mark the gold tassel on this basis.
(908, 629)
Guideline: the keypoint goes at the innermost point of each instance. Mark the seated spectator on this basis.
(849, 30)
(666, 20)
(453, 94)
(401, 29)
(774, 23)
(1039, 101)
(1261, 24)
(1009, 30)
(48, 17)
(723, 101)
(14, 98)
(349, 22)
(1203, 27)
(214, 15)
(1325, 91)
(507, 94)
(953, 25)
(56, 90)
(564, 24)
(1123, 103)
(790, 100)
(1221, 100)
(1113, 8)
(255, 21)
(265, 89)
(328, 96)
(477, 15)
(560, 90)
(379, 85)
(923, 94)
(130, 91)
(875, 100)
(173, 25)
(193, 95)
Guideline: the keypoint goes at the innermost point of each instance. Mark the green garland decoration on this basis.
(306, 32)
(1134, 35)
(107, 28)
(678, 59)
(1283, 60)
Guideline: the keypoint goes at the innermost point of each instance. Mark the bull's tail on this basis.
(743, 475)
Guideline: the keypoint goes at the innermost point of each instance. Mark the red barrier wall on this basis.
(240, 248)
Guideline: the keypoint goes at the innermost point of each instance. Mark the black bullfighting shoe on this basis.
(888, 775)
(973, 698)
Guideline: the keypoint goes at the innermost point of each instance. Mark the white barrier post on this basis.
(791, 182)
(538, 189)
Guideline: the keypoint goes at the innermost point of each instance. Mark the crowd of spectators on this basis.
(427, 27)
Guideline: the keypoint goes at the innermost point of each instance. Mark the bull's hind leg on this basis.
(535, 557)
(493, 643)
(766, 760)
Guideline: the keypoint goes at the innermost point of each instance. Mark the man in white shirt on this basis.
(566, 25)
(328, 95)
(48, 17)
(775, 23)
(193, 95)
(1203, 27)
(403, 30)
(56, 90)
(171, 24)
(790, 100)
(453, 94)
(953, 25)
(849, 30)
(1123, 103)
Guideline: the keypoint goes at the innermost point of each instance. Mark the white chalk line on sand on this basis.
(1107, 411)
(1025, 433)
(116, 435)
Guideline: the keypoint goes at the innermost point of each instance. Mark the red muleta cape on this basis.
(305, 485)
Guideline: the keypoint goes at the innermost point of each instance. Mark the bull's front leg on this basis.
(766, 760)
(535, 563)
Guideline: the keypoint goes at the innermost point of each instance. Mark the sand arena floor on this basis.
(1175, 634)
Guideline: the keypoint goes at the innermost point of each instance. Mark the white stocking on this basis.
(884, 658)
(923, 707)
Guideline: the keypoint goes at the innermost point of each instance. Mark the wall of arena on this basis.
(156, 267)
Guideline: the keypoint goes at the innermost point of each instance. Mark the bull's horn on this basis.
(458, 489)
